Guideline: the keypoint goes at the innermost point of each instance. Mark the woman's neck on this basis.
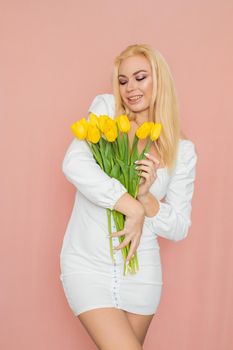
(139, 119)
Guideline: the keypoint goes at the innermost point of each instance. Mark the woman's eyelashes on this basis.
(124, 82)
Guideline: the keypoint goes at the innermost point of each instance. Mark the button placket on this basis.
(115, 269)
(115, 242)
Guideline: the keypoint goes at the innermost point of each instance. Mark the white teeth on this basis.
(134, 98)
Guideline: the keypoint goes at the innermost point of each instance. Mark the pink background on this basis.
(55, 57)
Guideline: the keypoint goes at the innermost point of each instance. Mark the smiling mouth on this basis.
(134, 99)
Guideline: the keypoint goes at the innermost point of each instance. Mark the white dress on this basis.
(89, 277)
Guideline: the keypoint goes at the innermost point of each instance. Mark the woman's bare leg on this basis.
(140, 324)
(110, 329)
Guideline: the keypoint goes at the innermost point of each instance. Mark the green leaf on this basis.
(122, 180)
(102, 143)
(133, 175)
(115, 149)
(146, 149)
(134, 151)
(107, 165)
(115, 172)
(96, 154)
(120, 142)
(108, 150)
(134, 156)
(135, 182)
(126, 148)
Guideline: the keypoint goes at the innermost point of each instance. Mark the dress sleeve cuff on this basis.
(161, 217)
(117, 191)
(168, 223)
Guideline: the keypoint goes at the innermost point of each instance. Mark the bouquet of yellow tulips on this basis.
(109, 143)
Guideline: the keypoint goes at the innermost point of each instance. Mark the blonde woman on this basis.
(116, 310)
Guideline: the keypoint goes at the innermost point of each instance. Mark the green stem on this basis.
(146, 149)
(133, 265)
(142, 156)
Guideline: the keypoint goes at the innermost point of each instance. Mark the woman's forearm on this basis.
(149, 203)
(129, 206)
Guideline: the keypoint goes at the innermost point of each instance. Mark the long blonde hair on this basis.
(164, 104)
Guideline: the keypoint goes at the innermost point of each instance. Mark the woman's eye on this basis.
(124, 82)
(141, 78)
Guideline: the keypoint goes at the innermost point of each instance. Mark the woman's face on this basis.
(135, 83)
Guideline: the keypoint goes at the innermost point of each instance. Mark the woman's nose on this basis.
(131, 85)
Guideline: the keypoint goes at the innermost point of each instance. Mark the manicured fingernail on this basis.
(146, 154)
(136, 161)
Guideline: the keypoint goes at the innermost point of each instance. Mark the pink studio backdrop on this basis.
(55, 57)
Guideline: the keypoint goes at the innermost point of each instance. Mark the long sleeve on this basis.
(173, 219)
(81, 169)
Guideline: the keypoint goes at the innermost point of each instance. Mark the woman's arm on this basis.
(129, 206)
(171, 218)
(149, 203)
(134, 220)
(81, 169)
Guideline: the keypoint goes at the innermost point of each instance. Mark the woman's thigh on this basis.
(140, 324)
(110, 329)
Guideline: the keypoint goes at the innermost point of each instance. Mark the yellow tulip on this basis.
(102, 121)
(151, 124)
(109, 123)
(79, 128)
(111, 134)
(94, 120)
(110, 130)
(155, 131)
(93, 133)
(144, 130)
(123, 123)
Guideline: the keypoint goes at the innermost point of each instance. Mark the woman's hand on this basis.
(132, 231)
(148, 173)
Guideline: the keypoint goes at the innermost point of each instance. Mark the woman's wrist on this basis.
(129, 205)
(150, 204)
(143, 198)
